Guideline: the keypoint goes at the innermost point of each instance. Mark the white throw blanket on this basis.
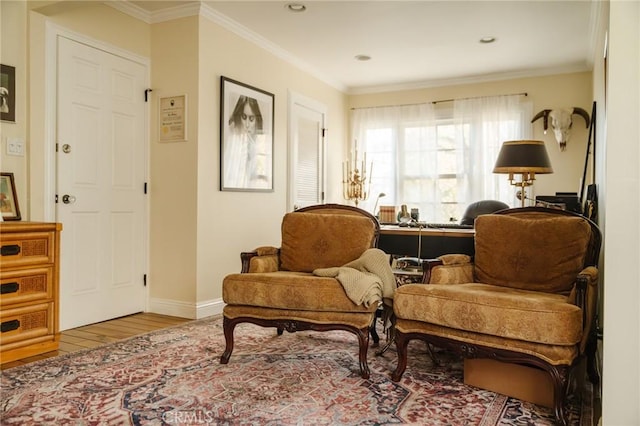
(367, 279)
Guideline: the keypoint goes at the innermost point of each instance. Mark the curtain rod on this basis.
(443, 100)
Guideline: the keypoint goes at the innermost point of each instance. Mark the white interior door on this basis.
(307, 152)
(100, 184)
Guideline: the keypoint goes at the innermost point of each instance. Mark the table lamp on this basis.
(524, 157)
(375, 206)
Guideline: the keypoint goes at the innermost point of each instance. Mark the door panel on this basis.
(101, 166)
(307, 156)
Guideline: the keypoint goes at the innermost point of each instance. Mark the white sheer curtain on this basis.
(439, 158)
(482, 125)
(389, 135)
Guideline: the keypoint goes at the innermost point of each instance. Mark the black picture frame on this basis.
(8, 197)
(7, 93)
(246, 137)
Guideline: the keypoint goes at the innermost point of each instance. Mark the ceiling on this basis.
(412, 43)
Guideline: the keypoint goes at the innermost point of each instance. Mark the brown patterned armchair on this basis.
(277, 286)
(529, 297)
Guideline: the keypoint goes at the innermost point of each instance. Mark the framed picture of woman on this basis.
(246, 137)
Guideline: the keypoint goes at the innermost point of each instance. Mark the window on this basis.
(439, 160)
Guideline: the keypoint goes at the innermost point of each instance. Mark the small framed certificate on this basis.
(173, 119)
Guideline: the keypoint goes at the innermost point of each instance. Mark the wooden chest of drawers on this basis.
(29, 295)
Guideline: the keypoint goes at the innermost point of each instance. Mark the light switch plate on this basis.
(15, 146)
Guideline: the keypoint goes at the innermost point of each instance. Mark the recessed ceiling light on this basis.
(363, 57)
(487, 40)
(296, 7)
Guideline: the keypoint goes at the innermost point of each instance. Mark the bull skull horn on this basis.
(545, 115)
(584, 114)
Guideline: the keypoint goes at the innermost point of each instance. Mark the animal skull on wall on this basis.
(561, 122)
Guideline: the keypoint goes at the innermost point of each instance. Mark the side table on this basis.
(402, 276)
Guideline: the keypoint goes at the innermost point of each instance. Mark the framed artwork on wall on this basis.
(246, 137)
(7, 93)
(173, 118)
(8, 197)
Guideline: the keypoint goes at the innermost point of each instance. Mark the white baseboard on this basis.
(209, 308)
(189, 310)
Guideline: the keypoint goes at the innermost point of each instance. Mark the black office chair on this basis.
(481, 207)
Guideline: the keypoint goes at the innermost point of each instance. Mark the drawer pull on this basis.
(9, 288)
(9, 326)
(11, 250)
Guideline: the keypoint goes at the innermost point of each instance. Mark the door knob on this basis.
(68, 199)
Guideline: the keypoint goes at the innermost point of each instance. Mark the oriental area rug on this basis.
(173, 377)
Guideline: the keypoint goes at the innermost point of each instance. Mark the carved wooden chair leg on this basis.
(402, 341)
(559, 377)
(228, 326)
(374, 332)
(363, 342)
(592, 359)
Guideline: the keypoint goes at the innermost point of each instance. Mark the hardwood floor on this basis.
(90, 336)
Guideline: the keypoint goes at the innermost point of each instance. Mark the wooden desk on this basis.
(403, 241)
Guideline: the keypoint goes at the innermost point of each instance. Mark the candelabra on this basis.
(355, 180)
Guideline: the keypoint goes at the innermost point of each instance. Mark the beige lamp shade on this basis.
(523, 156)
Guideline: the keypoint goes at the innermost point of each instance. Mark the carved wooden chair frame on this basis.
(292, 325)
(560, 374)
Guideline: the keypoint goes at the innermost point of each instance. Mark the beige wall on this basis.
(95, 20)
(13, 52)
(173, 173)
(621, 202)
(556, 91)
(231, 222)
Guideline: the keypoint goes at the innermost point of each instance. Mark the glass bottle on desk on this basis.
(403, 215)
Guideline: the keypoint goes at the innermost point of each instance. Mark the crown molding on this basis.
(130, 9)
(596, 18)
(166, 14)
(176, 12)
(416, 85)
(197, 8)
(242, 31)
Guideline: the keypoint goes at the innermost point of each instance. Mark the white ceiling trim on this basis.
(163, 15)
(467, 80)
(242, 31)
(176, 12)
(595, 18)
(197, 8)
(130, 9)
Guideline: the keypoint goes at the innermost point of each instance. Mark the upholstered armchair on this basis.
(302, 286)
(529, 296)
